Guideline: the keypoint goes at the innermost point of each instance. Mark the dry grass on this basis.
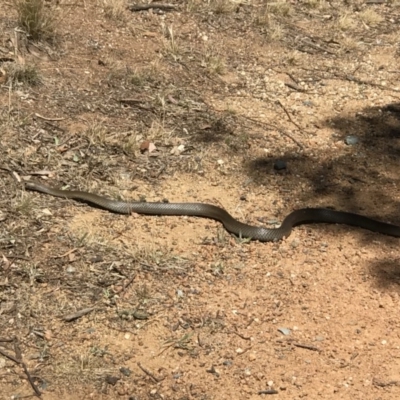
(171, 45)
(320, 4)
(152, 72)
(281, 8)
(158, 131)
(349, 44)
(193, 5)
(19, 74)
(275, 31)
(212, 61)
(203, 292)
(222, 6)
(370, 17)
(36, 19)
(96, 132)
(115, 9)
(346, 22)
(138, 77)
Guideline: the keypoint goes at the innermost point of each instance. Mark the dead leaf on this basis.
(144, 146)
(147, 146)
(6, 263)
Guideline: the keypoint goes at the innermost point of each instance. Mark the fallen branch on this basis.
(305, 346)
(49, 119)
(78, 314)
(17, 360)
(157, 380)
(159, 6)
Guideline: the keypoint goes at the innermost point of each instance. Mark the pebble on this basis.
(239, 350)
(351, 140)
(125, 371)
(279, 165)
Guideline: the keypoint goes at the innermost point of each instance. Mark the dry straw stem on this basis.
(36, 19)
(170, 43)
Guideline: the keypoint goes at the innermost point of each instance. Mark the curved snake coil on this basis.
(232, 225)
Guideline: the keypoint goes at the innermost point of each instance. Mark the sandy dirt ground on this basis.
(258, 107)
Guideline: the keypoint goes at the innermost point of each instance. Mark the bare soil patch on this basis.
(175, 307)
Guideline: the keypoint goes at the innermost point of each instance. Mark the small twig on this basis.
(9, 356)
(245, 351)
(384, 384)
(305, 346)
(131, 101)
(239, 334)
(150, 374)
(352, 78)
(2, 340)
(160, 6)
(34, 387)
(78, 314)
(126, 285)
(268, 391)
(136, 103)
(49, 119)
(288, 115)
(17, 350)
(199, 341)
(20, 362)
(318, 47)
(65, 254)
(294, 87)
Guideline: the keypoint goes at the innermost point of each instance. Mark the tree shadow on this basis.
(387, 274)
(361, 178)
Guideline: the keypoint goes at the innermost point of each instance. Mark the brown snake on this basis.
(302, 216)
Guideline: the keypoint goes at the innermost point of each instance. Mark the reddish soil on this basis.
(175, 307)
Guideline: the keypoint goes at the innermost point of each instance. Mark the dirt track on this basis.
(176, 308)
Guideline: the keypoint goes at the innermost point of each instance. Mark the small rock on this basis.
(112, 380)
(279, 165)
(284, 331)
(239, 351)
(252, 357)
(125, 371)
(351, 140)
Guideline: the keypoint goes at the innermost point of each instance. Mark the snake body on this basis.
(297, 217)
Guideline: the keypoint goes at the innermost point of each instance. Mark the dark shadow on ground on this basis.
(361, 178)
(387, 274)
